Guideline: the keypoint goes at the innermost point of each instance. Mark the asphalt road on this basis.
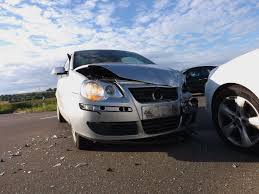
(38, 156)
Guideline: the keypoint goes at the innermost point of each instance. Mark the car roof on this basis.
(102, 50)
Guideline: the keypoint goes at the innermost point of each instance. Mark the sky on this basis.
(35, 35)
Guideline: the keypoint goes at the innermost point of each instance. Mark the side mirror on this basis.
(58, 71)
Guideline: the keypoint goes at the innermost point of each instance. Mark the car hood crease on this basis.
(153, 74)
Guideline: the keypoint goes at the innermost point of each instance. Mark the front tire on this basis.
(80, 142)
(60, 117)
(236, 116)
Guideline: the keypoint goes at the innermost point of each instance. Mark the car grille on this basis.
(154, 94)
(160, 125)
(114, 128)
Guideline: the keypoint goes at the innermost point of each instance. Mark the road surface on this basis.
(38, 156)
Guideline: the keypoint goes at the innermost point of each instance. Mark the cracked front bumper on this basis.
(127, 121)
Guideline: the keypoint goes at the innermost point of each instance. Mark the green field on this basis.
(48, 104)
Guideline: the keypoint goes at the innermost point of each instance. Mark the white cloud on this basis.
(13, 2)
(160, 4)
(184, 31)
(104, 16)
(124, 3)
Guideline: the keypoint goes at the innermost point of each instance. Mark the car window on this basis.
(131, 60)
(108, 56)
(199, 73)
(193, 74)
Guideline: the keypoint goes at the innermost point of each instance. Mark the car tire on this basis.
(80, 142)
(60, 117)
(232, 111)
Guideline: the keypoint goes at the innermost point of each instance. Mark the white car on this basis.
(232, 93)
(112, 95)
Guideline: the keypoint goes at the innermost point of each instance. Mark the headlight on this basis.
(96, 90)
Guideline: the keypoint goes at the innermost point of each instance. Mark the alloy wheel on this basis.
(239, 121)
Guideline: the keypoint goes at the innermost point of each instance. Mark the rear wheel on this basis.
(60, 117)
(236, 115)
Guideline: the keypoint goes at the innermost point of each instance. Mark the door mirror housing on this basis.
(59, 71)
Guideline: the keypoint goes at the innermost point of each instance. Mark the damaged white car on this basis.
(112, 95)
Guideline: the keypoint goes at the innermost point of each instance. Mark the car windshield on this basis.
(200, 73)
(108, 56)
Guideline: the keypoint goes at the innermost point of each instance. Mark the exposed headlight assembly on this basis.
(97, 90)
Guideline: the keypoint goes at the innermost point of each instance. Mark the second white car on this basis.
(232, 93)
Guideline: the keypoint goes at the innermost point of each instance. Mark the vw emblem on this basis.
(157, 94)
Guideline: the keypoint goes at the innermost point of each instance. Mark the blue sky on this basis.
(35, 35)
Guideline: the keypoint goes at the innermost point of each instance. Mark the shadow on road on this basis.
(204, 146)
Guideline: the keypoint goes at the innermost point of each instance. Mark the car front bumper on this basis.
(130, 120)
(112, 126)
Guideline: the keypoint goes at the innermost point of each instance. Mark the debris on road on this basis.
(26, 145)
(2, 160)
(137, 164)
(52, 186)
(110, 170)
(50, 146)
(54, 137)
(57, 165)
(68, 150)
(62, 158)
(235, 165)
(29, 172)
(2, 173)
(16, 154)
(81, 164)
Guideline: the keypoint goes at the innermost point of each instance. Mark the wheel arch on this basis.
(220, 89)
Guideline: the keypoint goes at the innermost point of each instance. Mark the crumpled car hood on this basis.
(153, 74)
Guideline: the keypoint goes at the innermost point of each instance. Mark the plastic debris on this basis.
(26, 145)
(57, 165)
(110, 170)
(81, 164)
(54, 137)
(16, 154)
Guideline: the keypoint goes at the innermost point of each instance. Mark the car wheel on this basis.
(236, 115)
(60, 117)
(80, 142)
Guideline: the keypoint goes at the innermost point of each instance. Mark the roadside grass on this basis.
(3, 102)
(48, 104)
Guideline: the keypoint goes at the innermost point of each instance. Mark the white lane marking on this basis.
(48, 117)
